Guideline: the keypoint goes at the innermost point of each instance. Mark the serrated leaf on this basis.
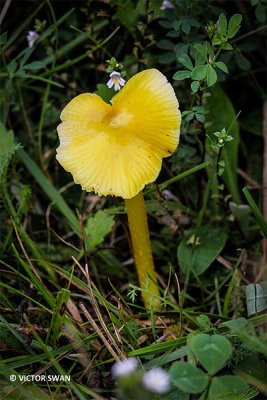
(234, 25)
(212, 351)
(185, 60)
(188, 378)
(221, 66)
(211, 76)
(98, 226)
(7, 148)
(199, 72)
(180, 75)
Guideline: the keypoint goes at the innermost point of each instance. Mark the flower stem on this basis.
(138, 225)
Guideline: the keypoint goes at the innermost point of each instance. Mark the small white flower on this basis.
(156, 380)
(124, 367)
(116, 80)
(32, 37)
(166, 4)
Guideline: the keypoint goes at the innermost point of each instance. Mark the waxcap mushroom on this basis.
(116, 149)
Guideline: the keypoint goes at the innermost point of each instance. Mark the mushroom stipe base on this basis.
(140, 238)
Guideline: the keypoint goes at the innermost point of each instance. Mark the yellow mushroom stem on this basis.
(138, 225)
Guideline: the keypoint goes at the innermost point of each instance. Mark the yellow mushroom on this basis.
(116, 149)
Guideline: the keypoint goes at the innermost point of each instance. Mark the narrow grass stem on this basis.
(138, 225)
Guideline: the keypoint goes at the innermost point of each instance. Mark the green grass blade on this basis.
(177, 178)
(21, 27)
(58, 316)
(39, 286)
(158, 348)
(13, 332)
(50, 190)
(255, 209)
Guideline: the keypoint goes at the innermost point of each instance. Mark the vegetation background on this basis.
(73, 308)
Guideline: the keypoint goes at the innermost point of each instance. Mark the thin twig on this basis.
(4, 11)
(108, 338)
(26, 255)
(99, 332)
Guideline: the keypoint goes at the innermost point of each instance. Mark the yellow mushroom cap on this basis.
(118, 148)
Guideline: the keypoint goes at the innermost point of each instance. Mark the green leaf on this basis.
(195, 86)
(98, 226)
(199, 72)
(7, 148)
(222, 387)
(211, 76)
(253, 370)
(202, 49)
(104, 92)
(3, 39)
(188, 378)
(185, 60)
(197, 258)
(167, 58)
(221, 66)
(242, 213)
(234, 25)
(256, 297)
(236, 324)
(186, 27)
(200, 59)
(6, 141)
(227, 46)
(220, 114)
(165, 44)
(222, 24)
(181, 75)
(129, 12)
(34, 65)
(260, 13)
(201, 54)
(212, 351)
